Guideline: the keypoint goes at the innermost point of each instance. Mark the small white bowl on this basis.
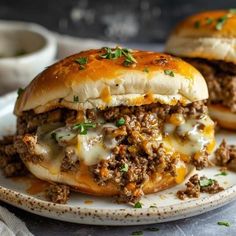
(25, 50)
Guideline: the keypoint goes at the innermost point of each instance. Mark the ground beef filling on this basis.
(225, 155)
(221, 80)
(58, 193)
(10, 162)
(197, 185)
(133, 159)
(135, 156)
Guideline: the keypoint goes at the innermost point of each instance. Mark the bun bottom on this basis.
(83, 181)
(223, 116)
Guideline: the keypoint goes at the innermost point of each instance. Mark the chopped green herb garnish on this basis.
(83, 127)
(129, 59)
(220, 22)
(76, 98)
(197, 24)
(153, 206)
(54, 136)
(82, 61)
(233, 10)
(169, 72)
(137, 205)
(153, 229)
(20, 91)
(205, 182)
(124, 168)
(120, 122)
(137, 233)
(117, 53)
(224, 223)
(223, 173)
(209, 21)
(146, 70)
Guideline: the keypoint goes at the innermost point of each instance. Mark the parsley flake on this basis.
(220, 22)
(120, 122)
(20, 91)
(137, 233)
(82, 61)
(54, 136)
(197, 24)
(76, 98)
(223, 173)
(137, 205)
(224, 223)
(232, 11)
(205, 182)
(124, 168)
(209, 21)
(153, 229)
(146, 70)
(83, 127)
(169, 72)
(117, 53)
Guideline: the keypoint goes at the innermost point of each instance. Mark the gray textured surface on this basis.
(116, 20)
(205, 224)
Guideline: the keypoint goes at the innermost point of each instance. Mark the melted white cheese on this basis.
(90, 148)
(194, 139)
(93, 147)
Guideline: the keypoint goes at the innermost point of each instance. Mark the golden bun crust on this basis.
(107, 82)
(202, 36)
(83, 181)
(223, 116)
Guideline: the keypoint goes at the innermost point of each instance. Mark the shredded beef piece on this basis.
(222, 154)
(29, 121)
(225, 155)
(201, 161)
(8, 149)
(4, 160)
(8, 139)
(26, 147)
(15, 169)
(58, 193)
(10, 162)
(221, 80)
(194, 187)
(70, 161)
(211, 189)
(192, 190)
(91, 114)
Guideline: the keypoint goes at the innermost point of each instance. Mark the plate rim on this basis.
(131, 216)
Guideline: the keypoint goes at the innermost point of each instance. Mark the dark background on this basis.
(119, 20)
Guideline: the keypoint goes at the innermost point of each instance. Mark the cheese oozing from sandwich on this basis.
(185, 137)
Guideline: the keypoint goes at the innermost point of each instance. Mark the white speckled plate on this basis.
(103, 211)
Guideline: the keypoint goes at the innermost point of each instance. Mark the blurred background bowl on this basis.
(25, 50)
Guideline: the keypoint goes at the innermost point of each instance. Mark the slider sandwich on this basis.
(207, 40)
(115, 122)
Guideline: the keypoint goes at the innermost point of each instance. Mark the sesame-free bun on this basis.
(202, 36)
(83, 181)
(103, 82)
(223, 116)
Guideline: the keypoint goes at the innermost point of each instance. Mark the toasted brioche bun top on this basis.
(101, 83)
(209, 35)
(204, 24)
